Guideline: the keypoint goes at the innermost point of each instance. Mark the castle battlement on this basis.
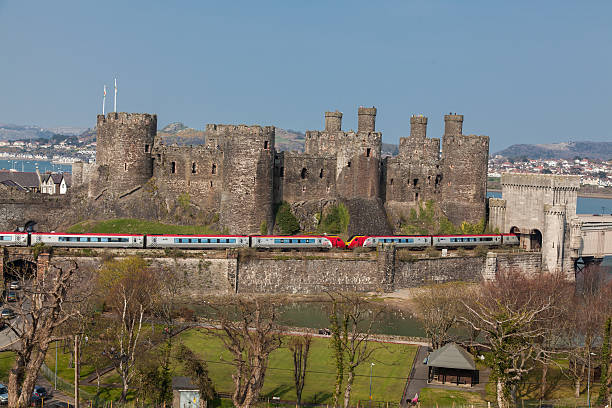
(237, 176)
(554, 181)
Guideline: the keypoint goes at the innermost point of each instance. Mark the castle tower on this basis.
(464, 173)
(124, 145)
(367, 119)
(453, 124)
(248, 167)
(333, 121)
(418, 127)
(553, 239)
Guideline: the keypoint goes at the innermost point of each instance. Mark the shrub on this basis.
(481, 251)
(285, 220)
(336, 221)
(432, 252)
(263, 228)
(406, 256)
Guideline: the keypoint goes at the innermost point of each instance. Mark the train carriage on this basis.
(466, 240)
(413, 241)
(510, 239)
(291, 242)
(88, 240)
(13, 239)
(197, 241)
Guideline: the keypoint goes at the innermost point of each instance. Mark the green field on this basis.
(134, 226)
(392, 366)
(431, 397)
(7, 358)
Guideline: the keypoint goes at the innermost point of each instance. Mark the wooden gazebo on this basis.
(452, 364)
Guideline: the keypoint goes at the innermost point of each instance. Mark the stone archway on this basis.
(535, 237)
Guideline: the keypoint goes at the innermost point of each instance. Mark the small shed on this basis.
(452, 364)
(185, 394)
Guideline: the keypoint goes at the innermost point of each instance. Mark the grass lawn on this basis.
(7, 358)
(134, 226)
(392, 366)
(430, 397)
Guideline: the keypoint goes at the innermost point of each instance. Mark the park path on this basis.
(418, 376)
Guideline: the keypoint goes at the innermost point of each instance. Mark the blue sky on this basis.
(520, 71)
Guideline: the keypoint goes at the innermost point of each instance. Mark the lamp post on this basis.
(589, 381)
(371, 366)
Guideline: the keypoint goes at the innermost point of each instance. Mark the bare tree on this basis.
(300, 347)
(437, 308)
(351, 322)
(512, 313)
(589, 307)
(48, 300)
(130, 288)
(249, 331)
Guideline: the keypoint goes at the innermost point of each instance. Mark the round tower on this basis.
(248, 171)
(367, 119)
(333, 121)
(453, 124)
(124, 145)
(418, 127)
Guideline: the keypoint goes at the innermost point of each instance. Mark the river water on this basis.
(30, 166)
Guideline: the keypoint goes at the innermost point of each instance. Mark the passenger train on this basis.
(323, 242)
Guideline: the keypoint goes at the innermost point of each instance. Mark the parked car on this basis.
(11, 296)
(7, 313)
(41, 392)
(14, 285)
(3, 394)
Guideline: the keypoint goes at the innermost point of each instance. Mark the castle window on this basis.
(282, 172)
(303, 189)
(415, 182)
(214, 169)
(304, 173)
(146, 148)
(193, 168)
(211, 184)
(321, 174)
(416, 196)
(125, 166)
(173, 167)
(266, 145)
(391, 182)
(368, 152)
(349, 164)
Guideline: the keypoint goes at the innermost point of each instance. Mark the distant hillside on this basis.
(20, 132)
(592, 150)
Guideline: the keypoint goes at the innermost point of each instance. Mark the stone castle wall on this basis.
(199, 273)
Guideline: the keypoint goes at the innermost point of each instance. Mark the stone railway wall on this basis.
(199, 273)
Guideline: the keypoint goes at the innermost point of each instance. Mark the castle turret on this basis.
(418, 127)
(248, 165)
(453, 124)
(124, 145)
(464, 169)
(367, 119)
(333, 121)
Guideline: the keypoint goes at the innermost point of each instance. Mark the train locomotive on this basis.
(262, 242)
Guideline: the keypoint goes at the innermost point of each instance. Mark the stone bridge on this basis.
(591, 236)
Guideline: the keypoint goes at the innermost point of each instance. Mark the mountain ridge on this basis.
(563, 150)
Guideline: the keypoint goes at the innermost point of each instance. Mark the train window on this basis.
(176, 240)
(276, 241)
(104, 239)
(233, 241)
(83, 239)
(73, 239)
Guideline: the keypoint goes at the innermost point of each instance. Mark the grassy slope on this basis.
(430, 397)
(134, 226)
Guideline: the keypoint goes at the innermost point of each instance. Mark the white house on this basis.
(55, 183)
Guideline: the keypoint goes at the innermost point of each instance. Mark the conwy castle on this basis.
(238, 177)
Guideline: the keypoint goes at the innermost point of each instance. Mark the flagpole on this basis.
(115, 95)
(104, 100)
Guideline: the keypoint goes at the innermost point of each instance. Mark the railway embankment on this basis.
(199, 273)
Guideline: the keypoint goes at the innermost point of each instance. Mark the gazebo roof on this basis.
(451, 356)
